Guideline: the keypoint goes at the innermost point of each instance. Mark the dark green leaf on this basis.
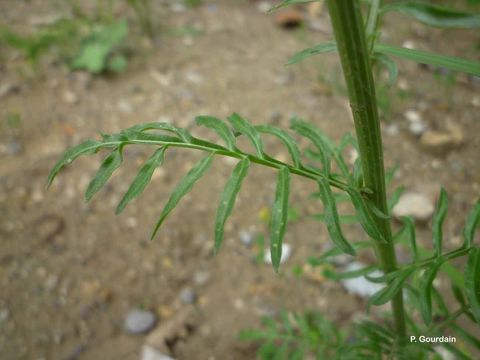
(285, 138)
(388, 292)
(365, 216)
(312, 51)
(88, 147)
(323, 144)
(423, 57)
(426, 292)
(219, 127)
(472, 284)
(108, 166)
(335, 251)
(438, 218)
(471, 225)
(243, 126)
(435, 15)
(228, 197)
(279, 216)
(142, 179)
(331, 218)
(183, 187)
(390, 65)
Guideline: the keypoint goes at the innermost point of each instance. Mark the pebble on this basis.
(246, 237)
(286, 253)
(391, 130)
(284, 79)
(361, 286)
(442, 141)
(201, 277)
(51, 282)
(188, 296)
(139, 321)
(177, 7)
(417, 128)
(4, 315)
(194, 77)
(69, 97)
(125, 106)
(263, 6)
(414, 204)
(150, 353)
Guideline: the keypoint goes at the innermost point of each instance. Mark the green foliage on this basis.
(143, 12)
(98, 51)
(299, 336)
(295, 336)
(434, 15)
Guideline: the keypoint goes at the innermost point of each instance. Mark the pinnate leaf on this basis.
(331, 218)
(279, 216)
(183, 134)
(183, 187)
(285, 3)
(228, 197)
(142, 178)
(108, 166)
(219, 127)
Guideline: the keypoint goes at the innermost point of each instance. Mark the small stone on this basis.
(263, 6)
(150, 353)
(131, 222)
(125, 106)
(177, 7)
(417, 128)
(246, 237)
(409, 44)
(391, 130)
(360, 285)
(13, 147)
(442, 141)
(289, 18)
(139, 321)
(4, 315)
(194, 77)
(286, 253)
(201, 277)
(414, 204)
(412, 115)
(69, 97)
(476, 101)
(188, 296)
(51, 282)
(284, 79)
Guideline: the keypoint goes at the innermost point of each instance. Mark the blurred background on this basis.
(78, 282)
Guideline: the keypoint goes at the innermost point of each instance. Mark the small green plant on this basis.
(418, 308)
(99, 51)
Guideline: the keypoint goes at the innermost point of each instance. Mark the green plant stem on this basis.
(354, 55)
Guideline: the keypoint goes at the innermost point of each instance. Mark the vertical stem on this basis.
(355, 58)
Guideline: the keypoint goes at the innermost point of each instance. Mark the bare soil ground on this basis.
(70, 271)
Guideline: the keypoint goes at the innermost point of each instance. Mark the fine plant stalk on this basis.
(355, 58)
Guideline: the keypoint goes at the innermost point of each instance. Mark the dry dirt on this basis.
(70, 270)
